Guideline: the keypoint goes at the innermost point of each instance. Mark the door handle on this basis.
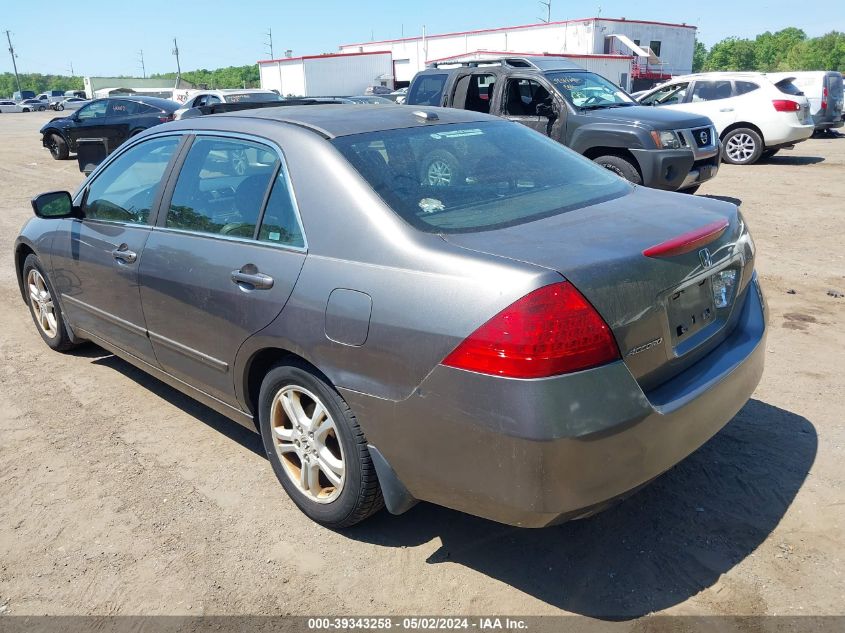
(726, 110)
(257, 280)
(123, 253)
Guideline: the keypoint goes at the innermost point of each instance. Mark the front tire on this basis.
(621, 167)
(316, 447)
(58, 147)
(742, 146)
(43, 306)
(60, 107)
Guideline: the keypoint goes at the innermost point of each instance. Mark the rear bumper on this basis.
(789, 134)
(675, 169)
(537, 452)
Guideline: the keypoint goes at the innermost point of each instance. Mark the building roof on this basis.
(500, 54)
(325, 56)
(521, 26)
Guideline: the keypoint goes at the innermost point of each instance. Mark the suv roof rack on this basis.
(534, 62)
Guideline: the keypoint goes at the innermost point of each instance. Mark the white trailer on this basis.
(327, 75)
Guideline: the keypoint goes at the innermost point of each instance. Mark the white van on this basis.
(823, 90)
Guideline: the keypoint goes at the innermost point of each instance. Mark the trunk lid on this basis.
(665, 311)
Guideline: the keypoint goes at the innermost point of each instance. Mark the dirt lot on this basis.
(120, 496)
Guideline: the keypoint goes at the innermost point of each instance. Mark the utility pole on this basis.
(268, 43)
(548, 6)
(141, 61)
(14, 63)
(70, 69)
(178, 67)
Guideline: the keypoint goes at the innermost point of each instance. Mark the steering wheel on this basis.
(593, 100)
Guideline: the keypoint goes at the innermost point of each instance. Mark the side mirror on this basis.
(547, 110)
(53, 205)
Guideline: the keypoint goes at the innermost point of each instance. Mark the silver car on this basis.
(527, 343)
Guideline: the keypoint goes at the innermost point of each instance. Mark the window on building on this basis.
(654, 45)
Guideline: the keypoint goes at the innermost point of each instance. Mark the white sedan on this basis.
(10, 106)
(754, 117)
(71, 103)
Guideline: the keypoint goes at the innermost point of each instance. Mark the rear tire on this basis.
(742, 146)
(621, 167)
(57, 146)
(767, 154)
(45, 310)
(691, 190)
(306, 426)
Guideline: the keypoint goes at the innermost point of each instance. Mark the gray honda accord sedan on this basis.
(527, 339)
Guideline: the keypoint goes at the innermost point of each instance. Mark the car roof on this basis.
(719, 75)
(153, 101)
(333, 120)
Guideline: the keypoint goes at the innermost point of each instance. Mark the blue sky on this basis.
(101, 38)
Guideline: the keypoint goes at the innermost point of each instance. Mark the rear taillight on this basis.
(785, 105)
(553, 330)
(824, 98)
(164, 117)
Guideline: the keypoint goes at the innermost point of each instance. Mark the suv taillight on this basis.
(164, 117)
(553, 330)
(786, 105)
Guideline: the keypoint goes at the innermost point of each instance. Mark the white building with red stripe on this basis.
(633, 53)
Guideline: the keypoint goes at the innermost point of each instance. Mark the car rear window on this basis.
(476, 176)
(252, 97)
(427, 90)
(744, 87)
(787, 87)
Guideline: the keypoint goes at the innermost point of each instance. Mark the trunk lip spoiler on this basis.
(689, 241)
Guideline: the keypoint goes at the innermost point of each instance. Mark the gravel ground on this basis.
(118, 495)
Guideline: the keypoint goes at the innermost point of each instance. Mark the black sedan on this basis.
(110, 121)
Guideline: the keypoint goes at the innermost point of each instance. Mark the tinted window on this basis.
(667, 95)
(221, 187)
(711, 91)
(471, 177)
(787, 87)
(124, 191)
(248, 97)
(744, 87)
(427, 90)
(94, 110)
(522, 96)
(119, 107)
(280, 224)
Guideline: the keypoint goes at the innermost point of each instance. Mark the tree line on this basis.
(229, 77)
(784, 50)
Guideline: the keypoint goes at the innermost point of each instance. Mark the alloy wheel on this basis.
(439, 174)
(740, 147)
(306, 441)
(42, 304)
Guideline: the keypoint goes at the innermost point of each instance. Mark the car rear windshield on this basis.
(427, 89)
(787, 87)
(476, 176)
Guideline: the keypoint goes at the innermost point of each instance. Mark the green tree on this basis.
(731, 53)
(699, 57)
(772, 49)
(820, 53)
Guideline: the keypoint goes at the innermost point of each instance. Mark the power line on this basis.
(178, 66)
(14, 63)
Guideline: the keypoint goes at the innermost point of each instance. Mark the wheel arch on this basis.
(622, 152)
(22, 251)
(741, 124)
(257, 366)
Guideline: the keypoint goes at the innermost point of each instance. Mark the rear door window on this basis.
(119, 108)
(222, 187)
(744, 87)
(280, 224)
(473, 92)
(427, 90)
(711, 91)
